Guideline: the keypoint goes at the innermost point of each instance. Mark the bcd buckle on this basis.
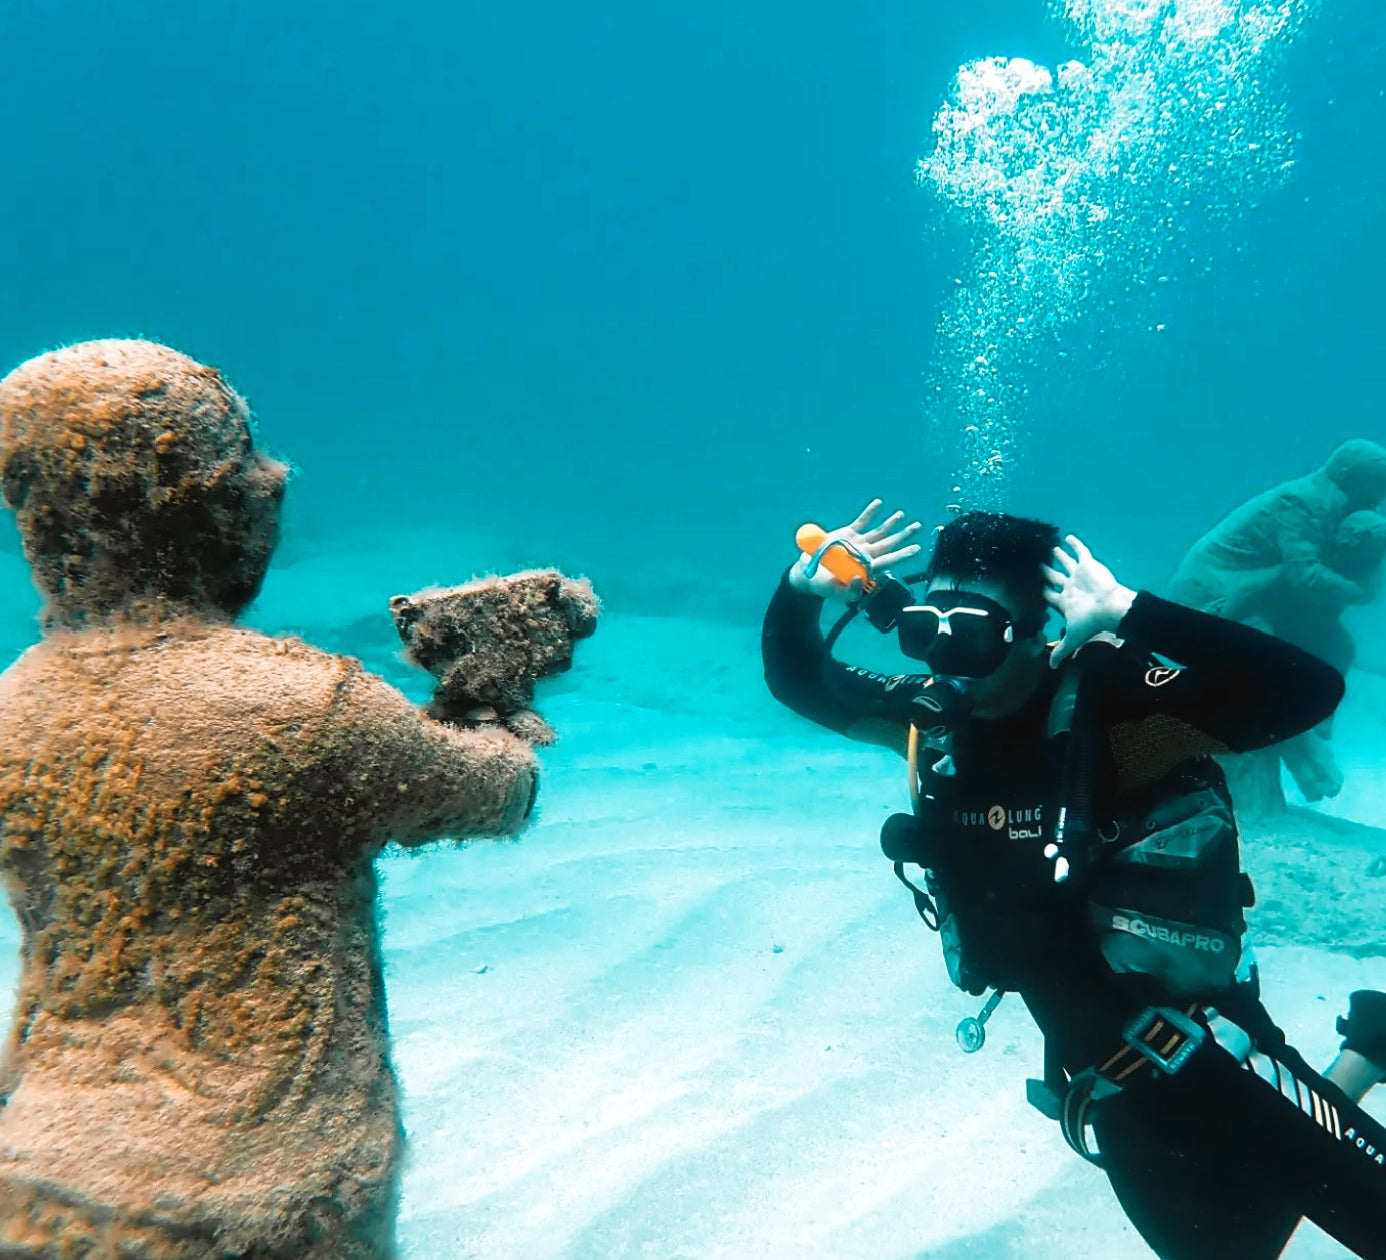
(1164, 1037)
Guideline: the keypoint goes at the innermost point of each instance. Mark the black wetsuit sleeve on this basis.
(802, 675)
(1240, 687)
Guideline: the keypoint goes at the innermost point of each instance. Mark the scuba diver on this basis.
(1078, 848)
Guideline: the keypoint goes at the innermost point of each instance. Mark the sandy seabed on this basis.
(692, 1014)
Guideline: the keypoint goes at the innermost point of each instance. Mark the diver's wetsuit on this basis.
(1211, 1161)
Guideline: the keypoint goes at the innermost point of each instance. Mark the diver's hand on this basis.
(1089, 598)
(883, 545)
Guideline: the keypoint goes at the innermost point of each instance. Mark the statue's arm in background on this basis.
(1307, 573)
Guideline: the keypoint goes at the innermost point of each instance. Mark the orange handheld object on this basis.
(839, 558)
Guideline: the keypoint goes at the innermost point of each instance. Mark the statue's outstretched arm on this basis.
(406, 777)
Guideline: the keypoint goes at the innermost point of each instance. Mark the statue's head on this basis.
(134, 478)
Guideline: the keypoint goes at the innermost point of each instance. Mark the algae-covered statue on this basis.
(188, 816)
(1290, 561)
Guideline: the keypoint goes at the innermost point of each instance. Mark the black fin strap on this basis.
(922, 901)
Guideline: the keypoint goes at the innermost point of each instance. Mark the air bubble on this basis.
(1074, 181)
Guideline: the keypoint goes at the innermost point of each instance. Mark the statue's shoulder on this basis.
(176, 672)
(245, 668)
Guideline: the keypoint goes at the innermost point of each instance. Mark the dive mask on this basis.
(956, 633)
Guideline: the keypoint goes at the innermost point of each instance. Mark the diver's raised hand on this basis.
(877, 546)
(1086, 594)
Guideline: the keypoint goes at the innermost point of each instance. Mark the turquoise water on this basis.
(634, 289)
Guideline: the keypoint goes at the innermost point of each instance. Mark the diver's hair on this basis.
(1001, 548)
